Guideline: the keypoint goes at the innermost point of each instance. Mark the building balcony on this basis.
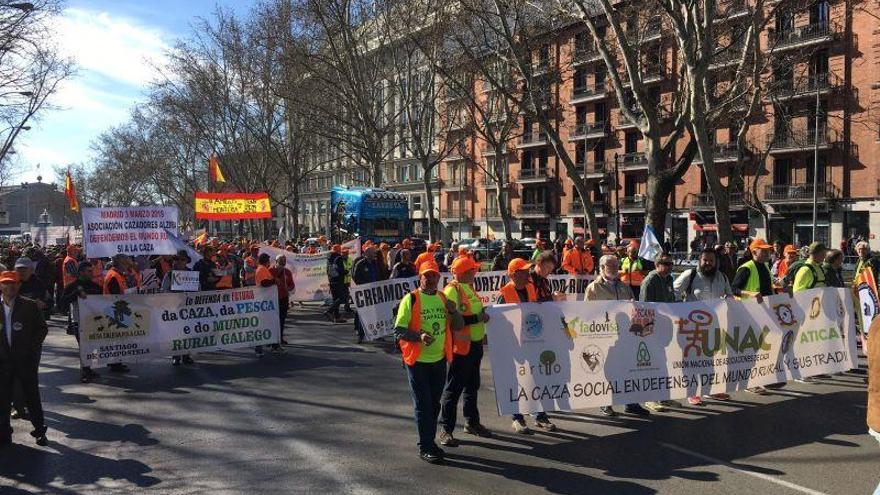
(587, 93)
(490, 183)
(785, 193)
(411, 182)
(634, 161)
(455, 184)
(493, 213)
(576, 208)
(722, 153)
(726, 56)
(792, 141)
(584, 55)
(593, 170)
(532, 210)
(542, 67)
(651, 74)
(625, 123)
(632, 203)
(533, 175)
(652, 31)
(807, 86)
(803, 36)
(706, 201)
(589, 130)
(729, 11)
(454, 214)
(532, 140)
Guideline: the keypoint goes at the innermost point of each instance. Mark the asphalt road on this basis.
(331, 416)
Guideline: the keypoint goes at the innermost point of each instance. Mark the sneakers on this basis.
(431, 457)
(654, 406)
(695, 400)
(545, 424)
(758, 390)
(478, 430)
(608, 411)
(447, 440)
(805, 380)
(636, 410)
(520, 426)
(175, 361)
(722, 396)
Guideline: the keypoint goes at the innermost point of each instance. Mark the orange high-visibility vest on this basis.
(511, 296)
(461, 340)
(66, 277)
(249, 275)
(576, 259)
(225, 281)
(112, 274)
(631, 272)
(412, 350)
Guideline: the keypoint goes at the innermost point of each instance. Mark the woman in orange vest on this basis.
(264, 278)
(423, 328)
(70, 265)
(521, 290)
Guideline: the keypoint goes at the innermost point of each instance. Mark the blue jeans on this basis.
(426, 382)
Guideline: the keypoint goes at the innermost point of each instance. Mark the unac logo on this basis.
(533, 325)
(643, 356)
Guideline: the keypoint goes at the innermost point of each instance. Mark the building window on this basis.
(417, 202)
(781, 172)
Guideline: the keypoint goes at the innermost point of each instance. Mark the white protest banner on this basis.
(129, 230)
(375, 310)
(184, 280)
(57, 235)
(149, 281)
(135, 327)
(309, 273)
(564, 356)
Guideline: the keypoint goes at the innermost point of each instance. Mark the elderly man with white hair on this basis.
(608, 287)
(865, 259)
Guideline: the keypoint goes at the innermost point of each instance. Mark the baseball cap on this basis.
(790, 249)
(429, 267)
(759, 243)
(517, 264)
(24, 262)
(815, 247)
(9, 276)
(463, 264)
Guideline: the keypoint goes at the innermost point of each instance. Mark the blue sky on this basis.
(116, 44)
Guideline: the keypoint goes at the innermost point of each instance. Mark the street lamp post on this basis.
(816, 160)
(616, 199)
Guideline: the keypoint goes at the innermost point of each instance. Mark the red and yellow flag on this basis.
(70, 192)
(232, 206)
(214, 169)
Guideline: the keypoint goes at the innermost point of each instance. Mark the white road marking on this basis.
(765, 477)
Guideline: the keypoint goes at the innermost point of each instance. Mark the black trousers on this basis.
(339, 292)
(463, 379)
(26, 375)
(283, 308)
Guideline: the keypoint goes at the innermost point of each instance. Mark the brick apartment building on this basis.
(821, 51)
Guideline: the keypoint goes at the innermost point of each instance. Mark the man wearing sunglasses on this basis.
(658, 287)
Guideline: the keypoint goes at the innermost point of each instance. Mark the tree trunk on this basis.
(429, 203)
(659, 188)
(580, 185)
(502, 190)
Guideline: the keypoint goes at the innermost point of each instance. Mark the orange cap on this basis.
(384, 246)
(790, 249)
(463, 264)
(429, 266)
(759, 243)
(9, 276)
(367, 244)
(569, 242)
(517, 264)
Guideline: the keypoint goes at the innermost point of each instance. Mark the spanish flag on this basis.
(214, 169)
(70, 192)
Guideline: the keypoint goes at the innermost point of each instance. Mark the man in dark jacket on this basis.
(504, 257)
(83, 286)
(336, 273)
(31, 285)
(364, 271)
(404, 268)
(658, 287)
(21, 344)
(207, 269)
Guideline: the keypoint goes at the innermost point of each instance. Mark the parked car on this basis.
(520, 250)
(530, 242)
(479, 246)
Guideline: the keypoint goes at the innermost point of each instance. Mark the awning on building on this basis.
(739, 228)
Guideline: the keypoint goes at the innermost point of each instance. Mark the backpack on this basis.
(791, 273)
(689, 288)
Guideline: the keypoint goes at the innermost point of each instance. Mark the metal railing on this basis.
(789, 192)
(533, 138)
(807, 85)
(587, 91)
(804, 34)
(632, 202)
(637, 158)
(592, 167)
(589, 128)
(533, 173)
(583, 54)
(791, 139)
(533, 209)
(453, 213)
(705, 200)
